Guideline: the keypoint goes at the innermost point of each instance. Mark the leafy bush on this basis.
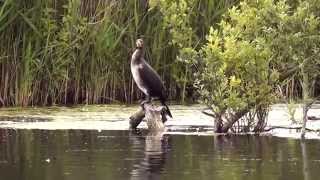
(243, 58)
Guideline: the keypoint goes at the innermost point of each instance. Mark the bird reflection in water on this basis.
(156, 150)
(3, 135)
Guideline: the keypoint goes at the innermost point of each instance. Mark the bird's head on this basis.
(139, 43)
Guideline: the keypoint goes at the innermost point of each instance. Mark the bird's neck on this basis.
(137, 55)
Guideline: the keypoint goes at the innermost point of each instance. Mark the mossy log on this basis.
(154, 115)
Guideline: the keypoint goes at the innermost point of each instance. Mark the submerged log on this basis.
(154, 115)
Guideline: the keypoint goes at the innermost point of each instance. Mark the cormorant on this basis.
(146, 78)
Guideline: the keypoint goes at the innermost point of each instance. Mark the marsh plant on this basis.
(77, 51)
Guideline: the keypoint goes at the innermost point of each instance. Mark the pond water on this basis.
(94, 142)
(88, 154)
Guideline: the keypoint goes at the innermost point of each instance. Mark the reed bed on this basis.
(78, 51)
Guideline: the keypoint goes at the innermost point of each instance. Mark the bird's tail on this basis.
(167, 109)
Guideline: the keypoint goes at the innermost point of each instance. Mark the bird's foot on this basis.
(163, 116)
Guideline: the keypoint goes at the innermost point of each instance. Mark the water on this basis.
(89, 154)
(105, 117)
(94, 142)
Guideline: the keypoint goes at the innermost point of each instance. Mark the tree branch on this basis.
(284, 127)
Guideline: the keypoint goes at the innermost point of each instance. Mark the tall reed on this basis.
(77, 51)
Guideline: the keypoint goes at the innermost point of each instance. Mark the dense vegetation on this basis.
(69, 52)
(237, 57)
(259, 49)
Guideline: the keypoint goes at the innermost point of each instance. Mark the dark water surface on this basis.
(94, 155)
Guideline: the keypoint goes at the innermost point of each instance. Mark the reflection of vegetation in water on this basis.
(77, 154)
(74, 154)
(305, 160)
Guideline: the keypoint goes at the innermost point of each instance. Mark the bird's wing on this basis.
(152, 80)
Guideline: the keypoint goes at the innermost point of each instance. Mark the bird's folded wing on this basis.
(152, 80)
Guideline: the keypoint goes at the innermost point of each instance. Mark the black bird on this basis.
(146, 78)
